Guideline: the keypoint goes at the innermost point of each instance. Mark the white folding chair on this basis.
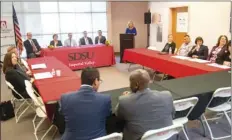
(223, 108)
(40, 111)
(113, 136)
(22, 102)
(163, 133)
(182, 105)
(25, 63)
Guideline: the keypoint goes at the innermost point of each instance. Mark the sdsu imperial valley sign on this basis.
(81, 59)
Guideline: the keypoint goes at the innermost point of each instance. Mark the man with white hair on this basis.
(144, 109)
(32, 46)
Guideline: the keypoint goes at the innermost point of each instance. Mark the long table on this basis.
(51, 89)
(166, 64)
(201, 86)
(80, 57)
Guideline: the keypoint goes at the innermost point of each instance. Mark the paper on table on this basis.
(199, 60)
(43, 75)
(219, 66)
(39, 66)
(181, 57)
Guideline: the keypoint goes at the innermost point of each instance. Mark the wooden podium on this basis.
(126, 42)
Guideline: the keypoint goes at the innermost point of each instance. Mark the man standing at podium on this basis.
(131, 29)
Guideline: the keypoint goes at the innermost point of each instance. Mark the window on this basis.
(50, 23)
(99, 6)
(48, 7)
(68, 22)
(84, 22)
(99, 22)
(44, 19)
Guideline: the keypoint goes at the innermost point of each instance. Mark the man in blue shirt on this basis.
(85, 111)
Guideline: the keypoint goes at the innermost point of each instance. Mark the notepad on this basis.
(181, 57)
(219, 66)
(38, 66)
(199, 60)
(43, 75)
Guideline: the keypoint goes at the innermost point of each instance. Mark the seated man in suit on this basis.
(100, 39)
(143, 109)
(32, 46)
(85, 40)
(85, 111)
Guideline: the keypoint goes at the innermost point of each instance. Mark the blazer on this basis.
(17, 77)
(143, 111)
(85, 113)
(82, 41)
(29, 48)
(202, 53)
(220, 56)
(102, 40)
(223, 58)
(58, 44)
(168, 46)
(131, 31)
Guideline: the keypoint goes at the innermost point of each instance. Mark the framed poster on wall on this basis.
(182, 22)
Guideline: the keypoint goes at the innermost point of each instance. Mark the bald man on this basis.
(32, 46)
(144, 109)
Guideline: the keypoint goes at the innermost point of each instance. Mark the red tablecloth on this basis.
(166, 63)
(51, 89)
(80, 57)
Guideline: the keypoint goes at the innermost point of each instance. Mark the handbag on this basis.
(7, 110)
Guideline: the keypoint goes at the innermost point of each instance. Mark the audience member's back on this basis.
(144, 109)
(85, 113)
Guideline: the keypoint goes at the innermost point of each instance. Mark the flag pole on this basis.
(16, 42)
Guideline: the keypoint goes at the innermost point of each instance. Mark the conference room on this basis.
(115, 70)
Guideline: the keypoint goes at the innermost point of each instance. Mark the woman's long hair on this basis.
(218, 42)
(7, 63)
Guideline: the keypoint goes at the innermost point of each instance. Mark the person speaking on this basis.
(131, 28)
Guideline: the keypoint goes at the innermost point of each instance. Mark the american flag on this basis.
(18, 36)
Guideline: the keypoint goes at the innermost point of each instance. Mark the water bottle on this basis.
(53, 72)
(170, 51)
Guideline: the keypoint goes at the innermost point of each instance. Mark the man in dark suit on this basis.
(100, 39)
(85, 40)
(144, 109)
(32, 47)
(85, 111)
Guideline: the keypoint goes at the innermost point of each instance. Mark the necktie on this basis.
(99, 40)
(33, 46)
(86, 41)
(70, 42)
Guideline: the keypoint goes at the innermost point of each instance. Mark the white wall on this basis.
(206, 19)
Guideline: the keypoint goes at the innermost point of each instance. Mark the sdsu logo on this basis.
(3, 25)
(4, 28)
(80, 56)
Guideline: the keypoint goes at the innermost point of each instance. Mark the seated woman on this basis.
(14, 75)
(55, 42)
(219, 51)
(170, 45)
(199, 50)
(226, 59)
